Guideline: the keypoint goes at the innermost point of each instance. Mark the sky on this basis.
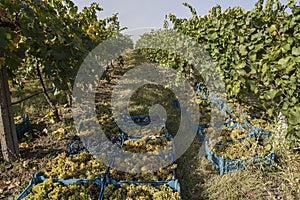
(143, 15)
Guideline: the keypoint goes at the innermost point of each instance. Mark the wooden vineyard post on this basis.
(8, 135)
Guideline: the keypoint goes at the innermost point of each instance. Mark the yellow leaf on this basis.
(49, 114)
(24, 145)
(61, 133)
(45, 131)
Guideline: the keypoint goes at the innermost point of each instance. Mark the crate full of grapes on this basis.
(147, 168)
(114, 190)
(233, 155)
(46, 189)
(223, 132)
(78, 166)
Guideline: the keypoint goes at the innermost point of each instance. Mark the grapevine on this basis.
(256, 51)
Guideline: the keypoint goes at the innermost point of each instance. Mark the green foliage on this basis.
(256, 51)
(54, 35)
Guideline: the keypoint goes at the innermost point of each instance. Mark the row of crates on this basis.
(99, 184)
(225, 165)
(222, 164)
(106, 180)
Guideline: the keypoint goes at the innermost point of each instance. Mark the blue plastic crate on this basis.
(200, 131)
(168, 179)
(171, 156)
(24, 126)
(139, 123)
(141, 120)
(203, 94)
(39, 178)
(215, 100)
(125, 137)
(226, 165)
(174, 184)
(201, 91)
(258, 131)
(229, 124)
(175, 103)
(196, 126)
(219, 103)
